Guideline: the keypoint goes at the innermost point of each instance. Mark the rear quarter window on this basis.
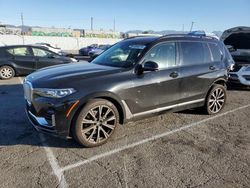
(216, 52)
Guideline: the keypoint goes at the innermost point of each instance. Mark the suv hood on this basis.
(238, 37)
(75, 71)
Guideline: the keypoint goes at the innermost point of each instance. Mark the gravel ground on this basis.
(184, 149)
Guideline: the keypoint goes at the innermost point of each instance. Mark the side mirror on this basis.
(51, 56)
(150, 66)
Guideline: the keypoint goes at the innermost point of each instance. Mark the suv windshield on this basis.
(124, 54)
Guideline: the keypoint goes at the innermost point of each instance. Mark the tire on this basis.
(216, 99)
(92, 130)
(6, 72)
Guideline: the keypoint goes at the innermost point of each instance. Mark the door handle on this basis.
(212, 68)
(174, 74)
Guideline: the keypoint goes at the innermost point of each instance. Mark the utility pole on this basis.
(22, 27)
(183, 28)
(192, 24)
(114, 28)
(91, 24)
(114, 25)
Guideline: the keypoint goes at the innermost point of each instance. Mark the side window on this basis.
(19, 51)
(40, 52)
(193, 53)
(163, 54)
(207, 57)
(216, 52)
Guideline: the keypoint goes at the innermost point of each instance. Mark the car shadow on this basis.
(194, 111)
(15, 128)
(237, 87)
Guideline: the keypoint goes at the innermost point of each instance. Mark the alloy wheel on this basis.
(98, 124)
(216, 100)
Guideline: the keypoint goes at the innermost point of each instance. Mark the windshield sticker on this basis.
(138, 47)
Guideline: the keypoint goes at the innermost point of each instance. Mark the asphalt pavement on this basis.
(184, 149)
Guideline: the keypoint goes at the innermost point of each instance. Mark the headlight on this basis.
(54, 93)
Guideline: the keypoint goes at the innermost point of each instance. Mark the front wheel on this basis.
(216, 99)
(95, 123)
(6, 72)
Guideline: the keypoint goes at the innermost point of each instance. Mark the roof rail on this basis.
(188, 35)
(146, 35)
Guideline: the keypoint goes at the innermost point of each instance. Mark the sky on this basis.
(157, 15)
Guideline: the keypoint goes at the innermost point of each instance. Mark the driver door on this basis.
(161, 88)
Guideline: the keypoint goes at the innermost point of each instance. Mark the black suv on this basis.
(136, 77)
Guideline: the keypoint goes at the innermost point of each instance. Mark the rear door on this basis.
(197, 70)
(45, 58)
(23, 59)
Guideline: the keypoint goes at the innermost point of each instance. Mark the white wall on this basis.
(65, 43)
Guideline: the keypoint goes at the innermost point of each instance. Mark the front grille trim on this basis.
(28, 91)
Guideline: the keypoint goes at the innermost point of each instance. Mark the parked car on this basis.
(49, 47)
(25, 59)
(97, 51)
(238, 41)
(55, 50)
(203, 33)
(85, 51)
(133, 79)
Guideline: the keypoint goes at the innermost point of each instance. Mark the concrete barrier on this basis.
(65, 43)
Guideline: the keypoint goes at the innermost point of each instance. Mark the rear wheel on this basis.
(216, 99)
(6, 72)
(96, 123)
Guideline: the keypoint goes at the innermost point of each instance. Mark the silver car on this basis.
(238, 42)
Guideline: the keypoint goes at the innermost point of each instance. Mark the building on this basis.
(9, 30)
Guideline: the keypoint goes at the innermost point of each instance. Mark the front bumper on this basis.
(53, 122)
(49, 115)
(240, 77)
(41, 124)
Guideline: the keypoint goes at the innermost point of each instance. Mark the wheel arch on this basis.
(111, 97)
(220, 81)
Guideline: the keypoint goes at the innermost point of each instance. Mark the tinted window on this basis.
(216, 53)
(19, 51)
(163, 54)
(40, 52)
(194, 53)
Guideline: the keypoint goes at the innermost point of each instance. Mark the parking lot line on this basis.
(53, 163)
(155, 137)
(52, 160)
(21, 80)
